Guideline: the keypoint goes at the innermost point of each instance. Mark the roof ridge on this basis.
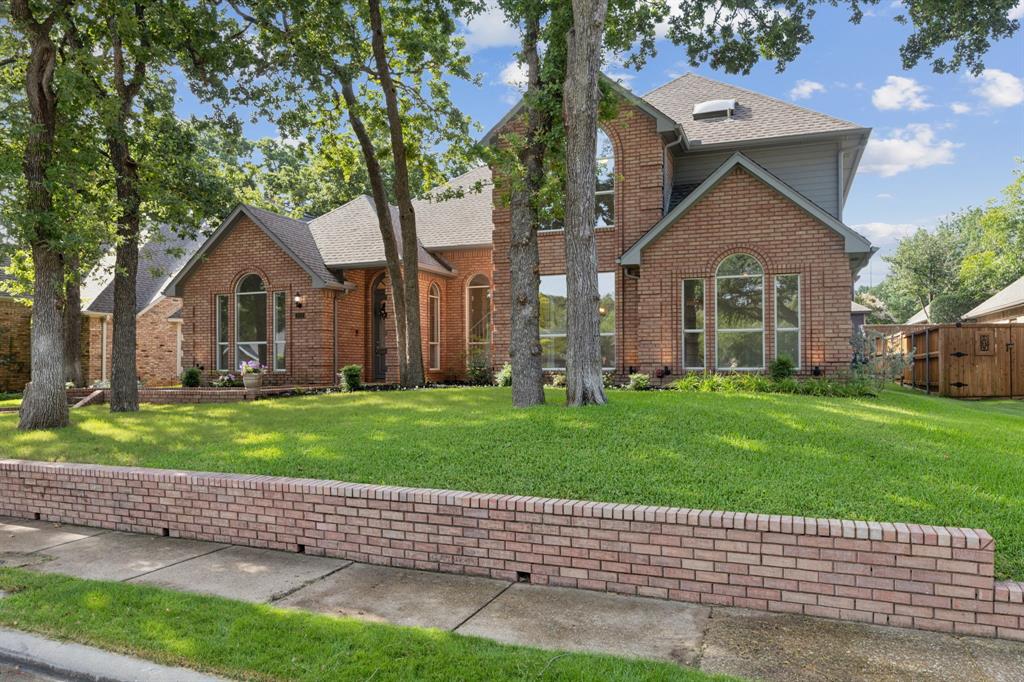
(691, 74)
(346, 204)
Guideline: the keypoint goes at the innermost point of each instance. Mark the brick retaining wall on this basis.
(904, 575)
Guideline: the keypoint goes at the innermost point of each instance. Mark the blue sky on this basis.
(940, 142)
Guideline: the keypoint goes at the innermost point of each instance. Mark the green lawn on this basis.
(257, 642)
(901, 457)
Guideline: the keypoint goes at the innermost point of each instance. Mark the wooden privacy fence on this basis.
(962, 360)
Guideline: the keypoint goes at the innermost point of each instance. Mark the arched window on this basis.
(434, 313)
(605, 169)
(478, 321)
(251, 321)
(739, 313)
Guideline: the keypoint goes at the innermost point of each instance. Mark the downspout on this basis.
(103, 353)
(334, 334)
(840, 193)
(667, 192)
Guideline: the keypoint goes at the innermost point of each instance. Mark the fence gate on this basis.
(980, 361)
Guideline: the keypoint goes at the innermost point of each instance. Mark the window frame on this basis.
(611, 334)
(605, 192)
(719, 329)
(703, 330)
(217, 343)
(263, 293)
(469, 324)
(799, 316)
(434, 327)
(283, 295)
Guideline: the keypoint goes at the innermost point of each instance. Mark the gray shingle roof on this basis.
(297, 237)
(1011, 296)
(349, 236)
(160, 258)
(757, 116)
(459, 221)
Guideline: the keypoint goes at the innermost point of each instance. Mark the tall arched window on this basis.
(434, 312)
(478, 321)
(251, 320)
(739, 313)
(605, 169)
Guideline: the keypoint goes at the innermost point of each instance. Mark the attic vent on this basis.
(714, 108)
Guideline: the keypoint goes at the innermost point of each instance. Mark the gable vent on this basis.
(714, 108)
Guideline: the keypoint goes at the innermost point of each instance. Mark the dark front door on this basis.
(380, 316)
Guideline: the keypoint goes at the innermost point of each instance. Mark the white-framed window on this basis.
(251, 320)
(434, 314)
(223, 344)
(553, 320)
(280, 330)
(478, 320)
(604, 190)
(693, 324)
(739, 313)
(787, 318)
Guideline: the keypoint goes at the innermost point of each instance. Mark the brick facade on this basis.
(158, 345)
(15, 344)
(903, 575)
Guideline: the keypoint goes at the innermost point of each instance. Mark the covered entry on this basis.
(966, 361)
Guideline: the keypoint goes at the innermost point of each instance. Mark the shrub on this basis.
(639, 382)
(504, 377)
(781, 368)
(227, 381)
(191, 377)
(558, 380)
(351, 377)
(608, 379)
(480, 374)
(759, 383)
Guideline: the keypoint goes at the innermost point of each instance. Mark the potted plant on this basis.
(252, 373)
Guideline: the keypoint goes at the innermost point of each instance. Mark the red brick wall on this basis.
(15, 344)
(156, 345)
(246, 249)
(896, 574)
(639, 197)
(742, 214)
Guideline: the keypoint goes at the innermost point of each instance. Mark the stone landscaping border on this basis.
(904, 575)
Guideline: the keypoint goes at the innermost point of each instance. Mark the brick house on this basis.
(720, 246)
(157, 317)
(1003, 307)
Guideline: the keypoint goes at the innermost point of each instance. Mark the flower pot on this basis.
(252, 381)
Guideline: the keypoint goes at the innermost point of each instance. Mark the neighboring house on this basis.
(158, 318)
(920, 317)
(15, 337)
(1005, 306)
(858, 316)
(720, 246)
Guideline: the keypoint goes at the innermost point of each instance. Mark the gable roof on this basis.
(291, 235)
(464, 221)
(859, 307)
(920, 317)
(854, 243)
(349, 237)
(160, 258)
(665, 123)
(756, 117)
(1010, 297)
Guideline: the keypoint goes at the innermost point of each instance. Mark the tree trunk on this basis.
(524, 258)
(73, 323)
(124, 381)
(387, 227)
(414, 375)
(45, 404)
(580, 102)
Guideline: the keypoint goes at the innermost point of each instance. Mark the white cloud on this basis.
(1016, 12)
(913, 147)
(885, 233)
(488, 29)
(805, 88)
(514, 75)
(960, 108)
(623, 78)
(883, 195)
(900, 93)
(999, 88)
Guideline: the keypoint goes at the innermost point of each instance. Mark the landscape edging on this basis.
(898, 574)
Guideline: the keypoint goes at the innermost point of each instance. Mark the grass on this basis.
(258, 642)
(10, 399)
(902, 456)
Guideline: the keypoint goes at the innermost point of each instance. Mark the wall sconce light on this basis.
(816, 371)
(298, 300)
(601, 311)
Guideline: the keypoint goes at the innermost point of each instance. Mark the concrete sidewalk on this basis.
(744, 643)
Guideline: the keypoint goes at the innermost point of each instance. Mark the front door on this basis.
(380, 316)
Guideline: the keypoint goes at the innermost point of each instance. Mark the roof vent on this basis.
(714, 108)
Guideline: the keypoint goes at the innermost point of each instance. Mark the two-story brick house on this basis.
(720, 244)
